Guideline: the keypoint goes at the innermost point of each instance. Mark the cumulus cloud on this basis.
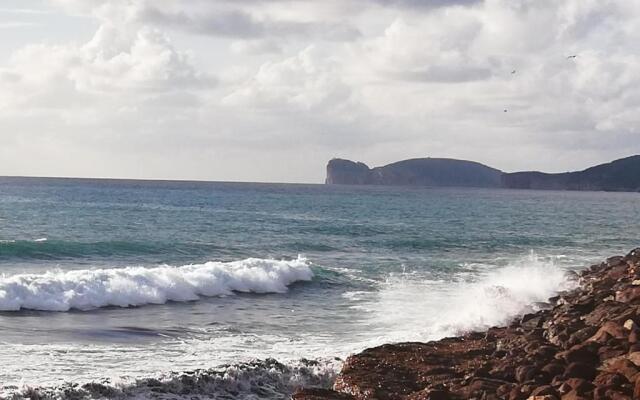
(269, 90)
(305, 81)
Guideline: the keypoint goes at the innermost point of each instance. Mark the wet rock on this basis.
(580, 370)
(544, 390)
(574, 396)
(606, 352)
(610, 380)
(525, 373)
(320, 394)
(581, 353)
(623, 366)
(609, 329)
(628, 294)
(430, 394)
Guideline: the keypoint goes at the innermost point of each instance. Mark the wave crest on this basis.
(260, 379)
(136, 286)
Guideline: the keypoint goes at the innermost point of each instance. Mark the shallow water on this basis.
(128, 279)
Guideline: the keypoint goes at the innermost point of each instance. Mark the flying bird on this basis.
(513, 72)
(505, 110)
(572, 56)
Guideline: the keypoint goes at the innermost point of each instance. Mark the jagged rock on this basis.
(628, 294)
(320, 394)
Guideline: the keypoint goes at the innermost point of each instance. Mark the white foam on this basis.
(429, 310)
(257, 379)
(135, 286)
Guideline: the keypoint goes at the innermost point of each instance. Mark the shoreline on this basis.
(585, 344)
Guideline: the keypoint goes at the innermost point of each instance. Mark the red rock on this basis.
(573, 396)
(580, 370)
(525, 373)
(634, 358)
(607, 352)
(553, 368)
(430, 394)
(622, 366)
(544, 390)
(320, 394)
(628, 294)
(609, 329)
(581, 386)
(634, 336)
(583, 353)
(610, 380)
(616, 395)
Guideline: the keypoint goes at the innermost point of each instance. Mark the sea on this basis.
(209, 290)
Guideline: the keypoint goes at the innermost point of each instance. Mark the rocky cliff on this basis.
(415, 172)
(584, 344)
(619, 175)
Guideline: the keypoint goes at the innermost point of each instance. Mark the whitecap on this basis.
(136, 286)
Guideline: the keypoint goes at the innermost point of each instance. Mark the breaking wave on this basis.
(136, 286)
(262, 379)
(414, 309)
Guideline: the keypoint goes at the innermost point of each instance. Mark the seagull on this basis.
(572, 56)
(513, 72)
(505, 110)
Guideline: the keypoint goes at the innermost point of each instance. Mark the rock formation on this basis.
(584, 345)
(416, 172)
(619, 175)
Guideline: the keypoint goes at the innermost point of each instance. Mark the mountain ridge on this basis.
(618, 175)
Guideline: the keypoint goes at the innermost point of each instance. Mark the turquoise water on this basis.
(190, 275)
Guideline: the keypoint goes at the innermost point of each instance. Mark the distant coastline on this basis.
(622, 175)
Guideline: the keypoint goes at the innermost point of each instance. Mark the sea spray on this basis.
(489, 296)
(136, 286)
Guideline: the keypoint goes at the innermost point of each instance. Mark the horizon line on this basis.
(151, 180)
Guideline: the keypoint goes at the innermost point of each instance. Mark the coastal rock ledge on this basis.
(585, 344)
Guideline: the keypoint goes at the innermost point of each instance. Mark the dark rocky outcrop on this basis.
(585, 346)
(416, 172)
(345, 172)
(619, 175)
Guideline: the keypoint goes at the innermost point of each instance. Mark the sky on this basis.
(270, 90)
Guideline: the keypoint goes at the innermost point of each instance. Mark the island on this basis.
(621, 175)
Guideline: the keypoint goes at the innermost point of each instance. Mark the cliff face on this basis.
(619, 175)
(418, 172)
(347, 172)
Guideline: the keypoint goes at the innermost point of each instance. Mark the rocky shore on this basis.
(583, 344)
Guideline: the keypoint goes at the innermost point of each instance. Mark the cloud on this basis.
(256, 46)
(269, 90)
(429, 51)
(305, 81)
(17, 24)
(427, 4)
